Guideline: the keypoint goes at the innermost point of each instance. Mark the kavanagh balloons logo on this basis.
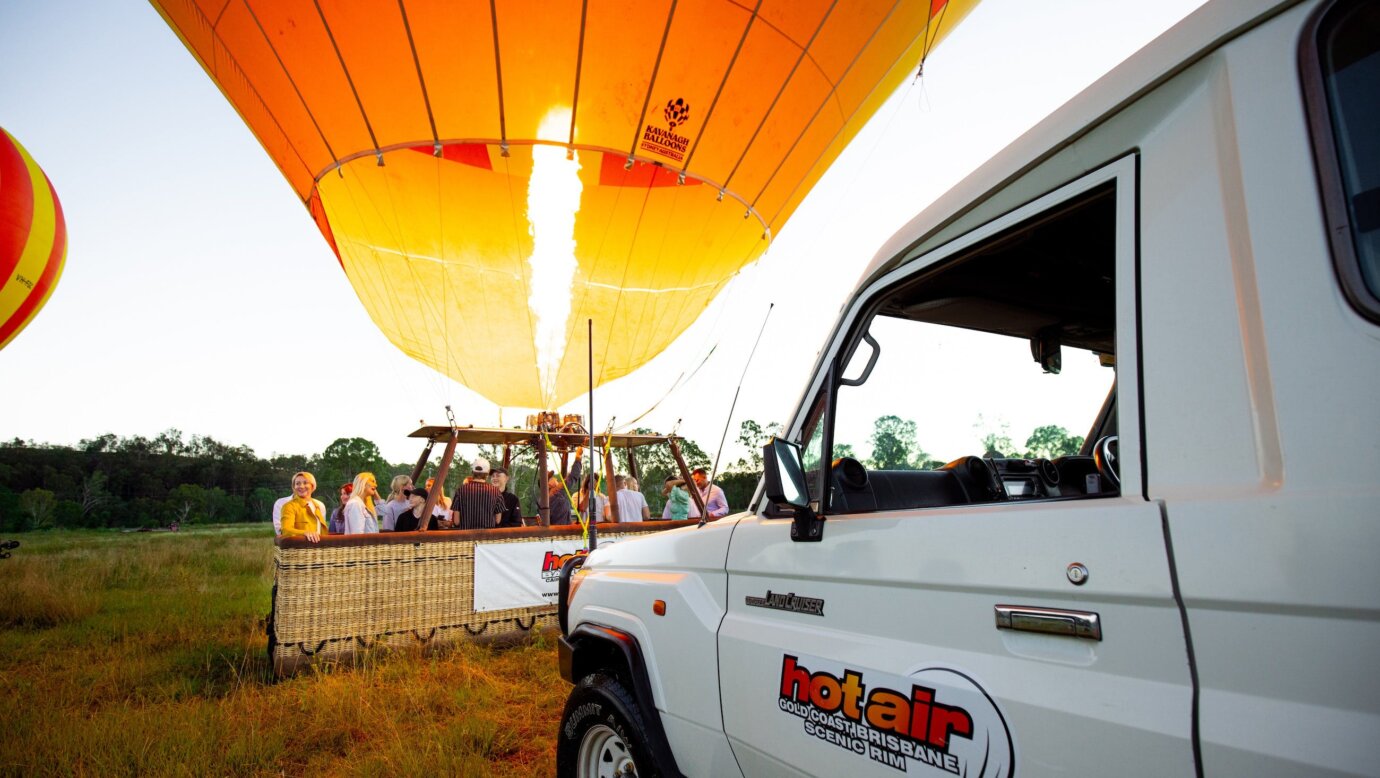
(677, 112)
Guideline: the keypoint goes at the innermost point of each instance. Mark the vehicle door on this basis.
(984, 594)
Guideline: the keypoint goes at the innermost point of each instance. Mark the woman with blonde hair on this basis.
(303, 515)
(397, 504)
(359, 511)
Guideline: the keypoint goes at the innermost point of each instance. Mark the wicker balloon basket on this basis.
(336, 599)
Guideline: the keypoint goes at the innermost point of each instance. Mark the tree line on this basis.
(142, 482)
(137, 482)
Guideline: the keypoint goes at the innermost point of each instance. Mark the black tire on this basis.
(602, 732)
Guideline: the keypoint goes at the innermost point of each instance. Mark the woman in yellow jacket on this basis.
(304, 516)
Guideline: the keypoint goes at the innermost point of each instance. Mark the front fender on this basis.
(592, 648)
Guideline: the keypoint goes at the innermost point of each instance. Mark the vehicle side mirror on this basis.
(784, 474)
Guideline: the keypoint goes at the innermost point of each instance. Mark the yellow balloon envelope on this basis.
(33, 238)
(492, 174)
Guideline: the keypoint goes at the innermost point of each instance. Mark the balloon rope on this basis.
(930, 42)
(569, 495)
(681, 381)
(729, 421)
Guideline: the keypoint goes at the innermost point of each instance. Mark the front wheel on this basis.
(602, 734)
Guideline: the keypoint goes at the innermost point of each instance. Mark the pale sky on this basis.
(197, 287)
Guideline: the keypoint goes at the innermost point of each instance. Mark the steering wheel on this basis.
(1107, 457)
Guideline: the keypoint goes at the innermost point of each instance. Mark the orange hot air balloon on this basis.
(33, 238)
(492, 173)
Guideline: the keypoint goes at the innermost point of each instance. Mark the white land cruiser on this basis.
(1191, 252)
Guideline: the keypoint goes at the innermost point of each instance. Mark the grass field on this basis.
(125, 653)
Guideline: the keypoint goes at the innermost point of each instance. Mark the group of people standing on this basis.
(482, 502)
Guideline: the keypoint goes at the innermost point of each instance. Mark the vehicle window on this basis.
(990, 373)
(940, 393)
(1348, 62)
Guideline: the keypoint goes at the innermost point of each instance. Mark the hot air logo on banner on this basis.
(521, 575)
(667, 142)
(937, 721)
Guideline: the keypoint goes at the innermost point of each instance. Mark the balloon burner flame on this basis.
(553, 200)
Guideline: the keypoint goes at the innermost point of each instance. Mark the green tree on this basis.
(995, 440)
(67, 514)
(93, 493)
(1052, 441)
(753, 436)
(219, 506)
(186, 504)
(346, 458)
(169, 442)
(11, 515)
(261, 499)
(893, 444)
(655, 463)
(38, 506)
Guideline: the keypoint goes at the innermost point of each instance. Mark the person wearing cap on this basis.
(677, 500)
(304, 516)
(512, 507)
(477, 504)
(410, 519)
(715, 503)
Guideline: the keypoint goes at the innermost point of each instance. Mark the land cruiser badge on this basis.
(788, 602)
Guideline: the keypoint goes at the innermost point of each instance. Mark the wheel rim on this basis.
(603, 754)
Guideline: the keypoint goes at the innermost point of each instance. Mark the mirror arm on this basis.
(806, 527)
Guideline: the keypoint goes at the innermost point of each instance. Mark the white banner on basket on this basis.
(520, 575)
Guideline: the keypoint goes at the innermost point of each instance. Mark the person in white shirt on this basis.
(278, 514)
(632, 506)
(359, 511)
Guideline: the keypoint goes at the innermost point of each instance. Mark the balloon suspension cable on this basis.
(450, 417)
(729, 421)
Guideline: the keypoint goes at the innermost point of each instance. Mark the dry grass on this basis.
(145, 653)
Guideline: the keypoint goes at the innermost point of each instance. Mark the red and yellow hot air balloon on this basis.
(33, 238)
(492, 173)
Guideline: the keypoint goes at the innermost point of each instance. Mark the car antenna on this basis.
(592, 533)
(704, 517)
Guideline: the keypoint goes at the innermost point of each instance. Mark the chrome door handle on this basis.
(1049, 621)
